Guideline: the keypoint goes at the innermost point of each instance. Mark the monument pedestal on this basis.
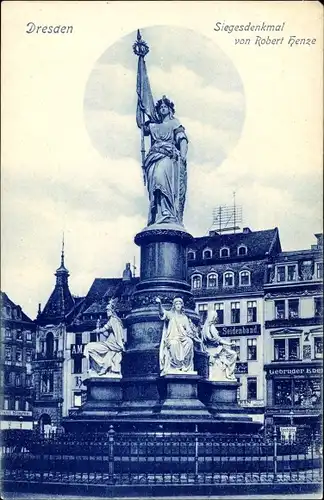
(182, 396)
(163, 274)
(104, 396)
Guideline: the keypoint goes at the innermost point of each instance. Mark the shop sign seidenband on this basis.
(227, 331)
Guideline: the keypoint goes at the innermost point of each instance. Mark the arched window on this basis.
(49, 345)
(242, 250)
(212, 281)
(207, 253)
(228, 278)
(191, 255)
(224, 252)
(196, 281)
(245, 278)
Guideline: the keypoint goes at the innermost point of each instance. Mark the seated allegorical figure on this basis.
(177, 342)
(222, 359)
(104, 357)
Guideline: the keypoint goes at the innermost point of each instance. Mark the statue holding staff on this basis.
(165, 165)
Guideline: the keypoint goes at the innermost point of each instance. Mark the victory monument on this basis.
(172, 373)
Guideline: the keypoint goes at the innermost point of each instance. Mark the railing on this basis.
(159, 458)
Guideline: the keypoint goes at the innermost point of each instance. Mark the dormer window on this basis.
(228, 279)
(191, 255)
(212, 280)
(245, 278)
(224, 252)
(196, 281)
(242, 250)
(207, 254)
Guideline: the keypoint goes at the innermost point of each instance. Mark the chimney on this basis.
(127, 273)
(246, 230)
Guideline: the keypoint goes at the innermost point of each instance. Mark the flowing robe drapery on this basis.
(165, 172)
(107, 354)
(176, 348)
(220, 353)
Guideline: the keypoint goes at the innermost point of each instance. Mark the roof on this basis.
(259, 245)
(101, 291)
(7, 302)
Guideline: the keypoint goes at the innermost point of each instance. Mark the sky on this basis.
(71, 150)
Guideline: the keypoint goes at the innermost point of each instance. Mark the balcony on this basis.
(42, 356)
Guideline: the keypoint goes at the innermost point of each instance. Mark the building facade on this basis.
(294, 337)
(17, 352)
(49, 359)
(227, 273)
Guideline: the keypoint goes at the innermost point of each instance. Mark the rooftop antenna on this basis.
(227, 218)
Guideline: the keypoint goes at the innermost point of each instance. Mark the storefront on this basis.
(294, 394)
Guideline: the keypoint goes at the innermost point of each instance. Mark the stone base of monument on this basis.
(181, 396)
(104, 396)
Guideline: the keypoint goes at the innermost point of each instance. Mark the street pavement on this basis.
(37, 496)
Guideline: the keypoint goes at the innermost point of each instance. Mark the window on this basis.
(212, 280)
(235, 312)
(245, 278)
(6, 403)
(8, 353)
(19, 355)
(93, 337)
(236, 346)
(49, 345)
(293, 349)
(77, 399)
(251, 311)
(251, 349)
(280, 309)
(17, 403)
(28, 380)
(251, 388)
(319, 270)
(307, 393)
(47, 382)
(196, 281)
(318, 347)
(202, 311)
(191, 255)
(281, 273)
(27, 406)
(318, 307)
(77, 364)
(19, 335)
(293, 308)
(282, 392)
(29, 337)
(224, 252)
(18, 380)
(207, 254)
(242, 250)
(219, 307)
(279, 349)
(28, 356)
(8, 333)
(292, 273)
(228, 279)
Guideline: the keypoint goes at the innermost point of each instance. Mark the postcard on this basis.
(163, 160)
